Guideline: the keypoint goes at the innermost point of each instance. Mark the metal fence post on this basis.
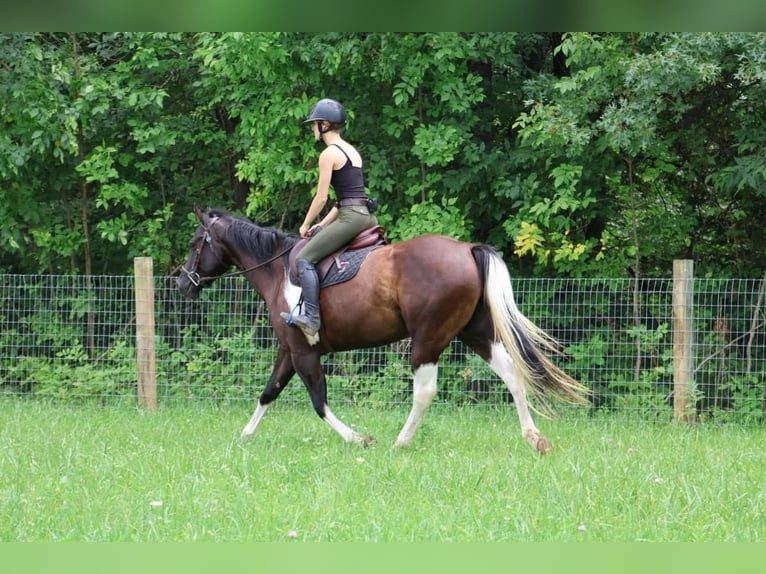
(145, 352)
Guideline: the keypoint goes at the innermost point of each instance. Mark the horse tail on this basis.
(525, 342)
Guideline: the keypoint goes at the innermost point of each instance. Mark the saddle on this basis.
(343, 264)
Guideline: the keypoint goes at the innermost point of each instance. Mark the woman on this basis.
(340, 166)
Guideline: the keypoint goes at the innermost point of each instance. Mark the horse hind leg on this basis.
(424, 391)
(502, 364)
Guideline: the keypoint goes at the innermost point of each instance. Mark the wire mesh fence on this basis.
(73, 338)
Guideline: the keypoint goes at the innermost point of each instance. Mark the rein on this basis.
(194, 276)
(254, 267)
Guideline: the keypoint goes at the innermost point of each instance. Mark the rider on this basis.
(340, 166)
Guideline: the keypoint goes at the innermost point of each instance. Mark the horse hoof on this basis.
(244, 437)
(368, 441)
(544, 446)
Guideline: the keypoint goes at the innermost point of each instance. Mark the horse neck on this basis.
(259, 254)
(264, 277)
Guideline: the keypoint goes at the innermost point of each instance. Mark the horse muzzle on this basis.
(189, 285)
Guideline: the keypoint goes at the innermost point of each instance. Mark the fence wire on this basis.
(73, 338)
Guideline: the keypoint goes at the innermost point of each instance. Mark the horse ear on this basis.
(198, 213)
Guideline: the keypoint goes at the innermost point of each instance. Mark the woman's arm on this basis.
(326, 162)
(330, 217)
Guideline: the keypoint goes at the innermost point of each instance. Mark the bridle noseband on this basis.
(192, 274)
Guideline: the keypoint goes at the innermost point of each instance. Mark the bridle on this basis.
(207, 239)
(192, 274)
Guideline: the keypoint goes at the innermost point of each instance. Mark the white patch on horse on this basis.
(502, 364)
(252, 425)
(335, 424)
(423, 393)
(292, 292)
(292, 295)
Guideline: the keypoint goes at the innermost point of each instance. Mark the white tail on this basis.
(525, 342)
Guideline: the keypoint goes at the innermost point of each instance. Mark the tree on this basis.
(572, 153)
(94, 153)
(635, 152)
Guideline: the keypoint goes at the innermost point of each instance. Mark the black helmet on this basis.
(327, 110)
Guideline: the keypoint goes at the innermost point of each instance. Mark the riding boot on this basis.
(308, 320)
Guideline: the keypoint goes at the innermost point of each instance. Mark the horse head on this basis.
(208, 257)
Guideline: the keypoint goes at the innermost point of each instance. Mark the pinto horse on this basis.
(431, 289)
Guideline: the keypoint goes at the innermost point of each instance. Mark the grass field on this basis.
(118, 474)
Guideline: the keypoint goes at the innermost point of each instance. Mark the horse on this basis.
(430, 288)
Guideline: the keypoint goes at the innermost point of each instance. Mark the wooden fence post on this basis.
(683, 332)
(145, 354)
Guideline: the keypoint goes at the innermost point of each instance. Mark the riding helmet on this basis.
(327, 110)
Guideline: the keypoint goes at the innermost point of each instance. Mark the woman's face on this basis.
(315, 129)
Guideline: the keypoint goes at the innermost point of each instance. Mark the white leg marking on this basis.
(252, 425)
(502, 364)
(335, 424)
(424, 391)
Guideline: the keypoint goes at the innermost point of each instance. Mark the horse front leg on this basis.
(280, 376)
(310, 371)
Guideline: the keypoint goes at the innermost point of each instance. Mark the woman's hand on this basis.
(307, 231)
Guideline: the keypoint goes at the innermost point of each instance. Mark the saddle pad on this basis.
(346, 265)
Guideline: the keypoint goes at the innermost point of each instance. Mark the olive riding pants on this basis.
(351, 220)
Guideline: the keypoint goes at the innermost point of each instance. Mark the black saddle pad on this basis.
(346, 265)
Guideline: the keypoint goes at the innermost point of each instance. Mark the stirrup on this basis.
(309, 332)
(288, 317)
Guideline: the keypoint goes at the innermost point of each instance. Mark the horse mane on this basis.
(261, 242)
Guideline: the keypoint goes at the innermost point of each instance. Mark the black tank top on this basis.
(348, 181)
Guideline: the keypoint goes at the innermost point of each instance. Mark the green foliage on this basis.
(640, 396)
(73, 377)
(442, 218)
(643, 116)
(359, 375)
(611, 380)
(584, 154)
(745, 393)
(120, 145)
(213, 369)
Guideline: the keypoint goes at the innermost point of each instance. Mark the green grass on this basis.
(118, 474)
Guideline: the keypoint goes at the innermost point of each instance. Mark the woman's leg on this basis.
(350, 221)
